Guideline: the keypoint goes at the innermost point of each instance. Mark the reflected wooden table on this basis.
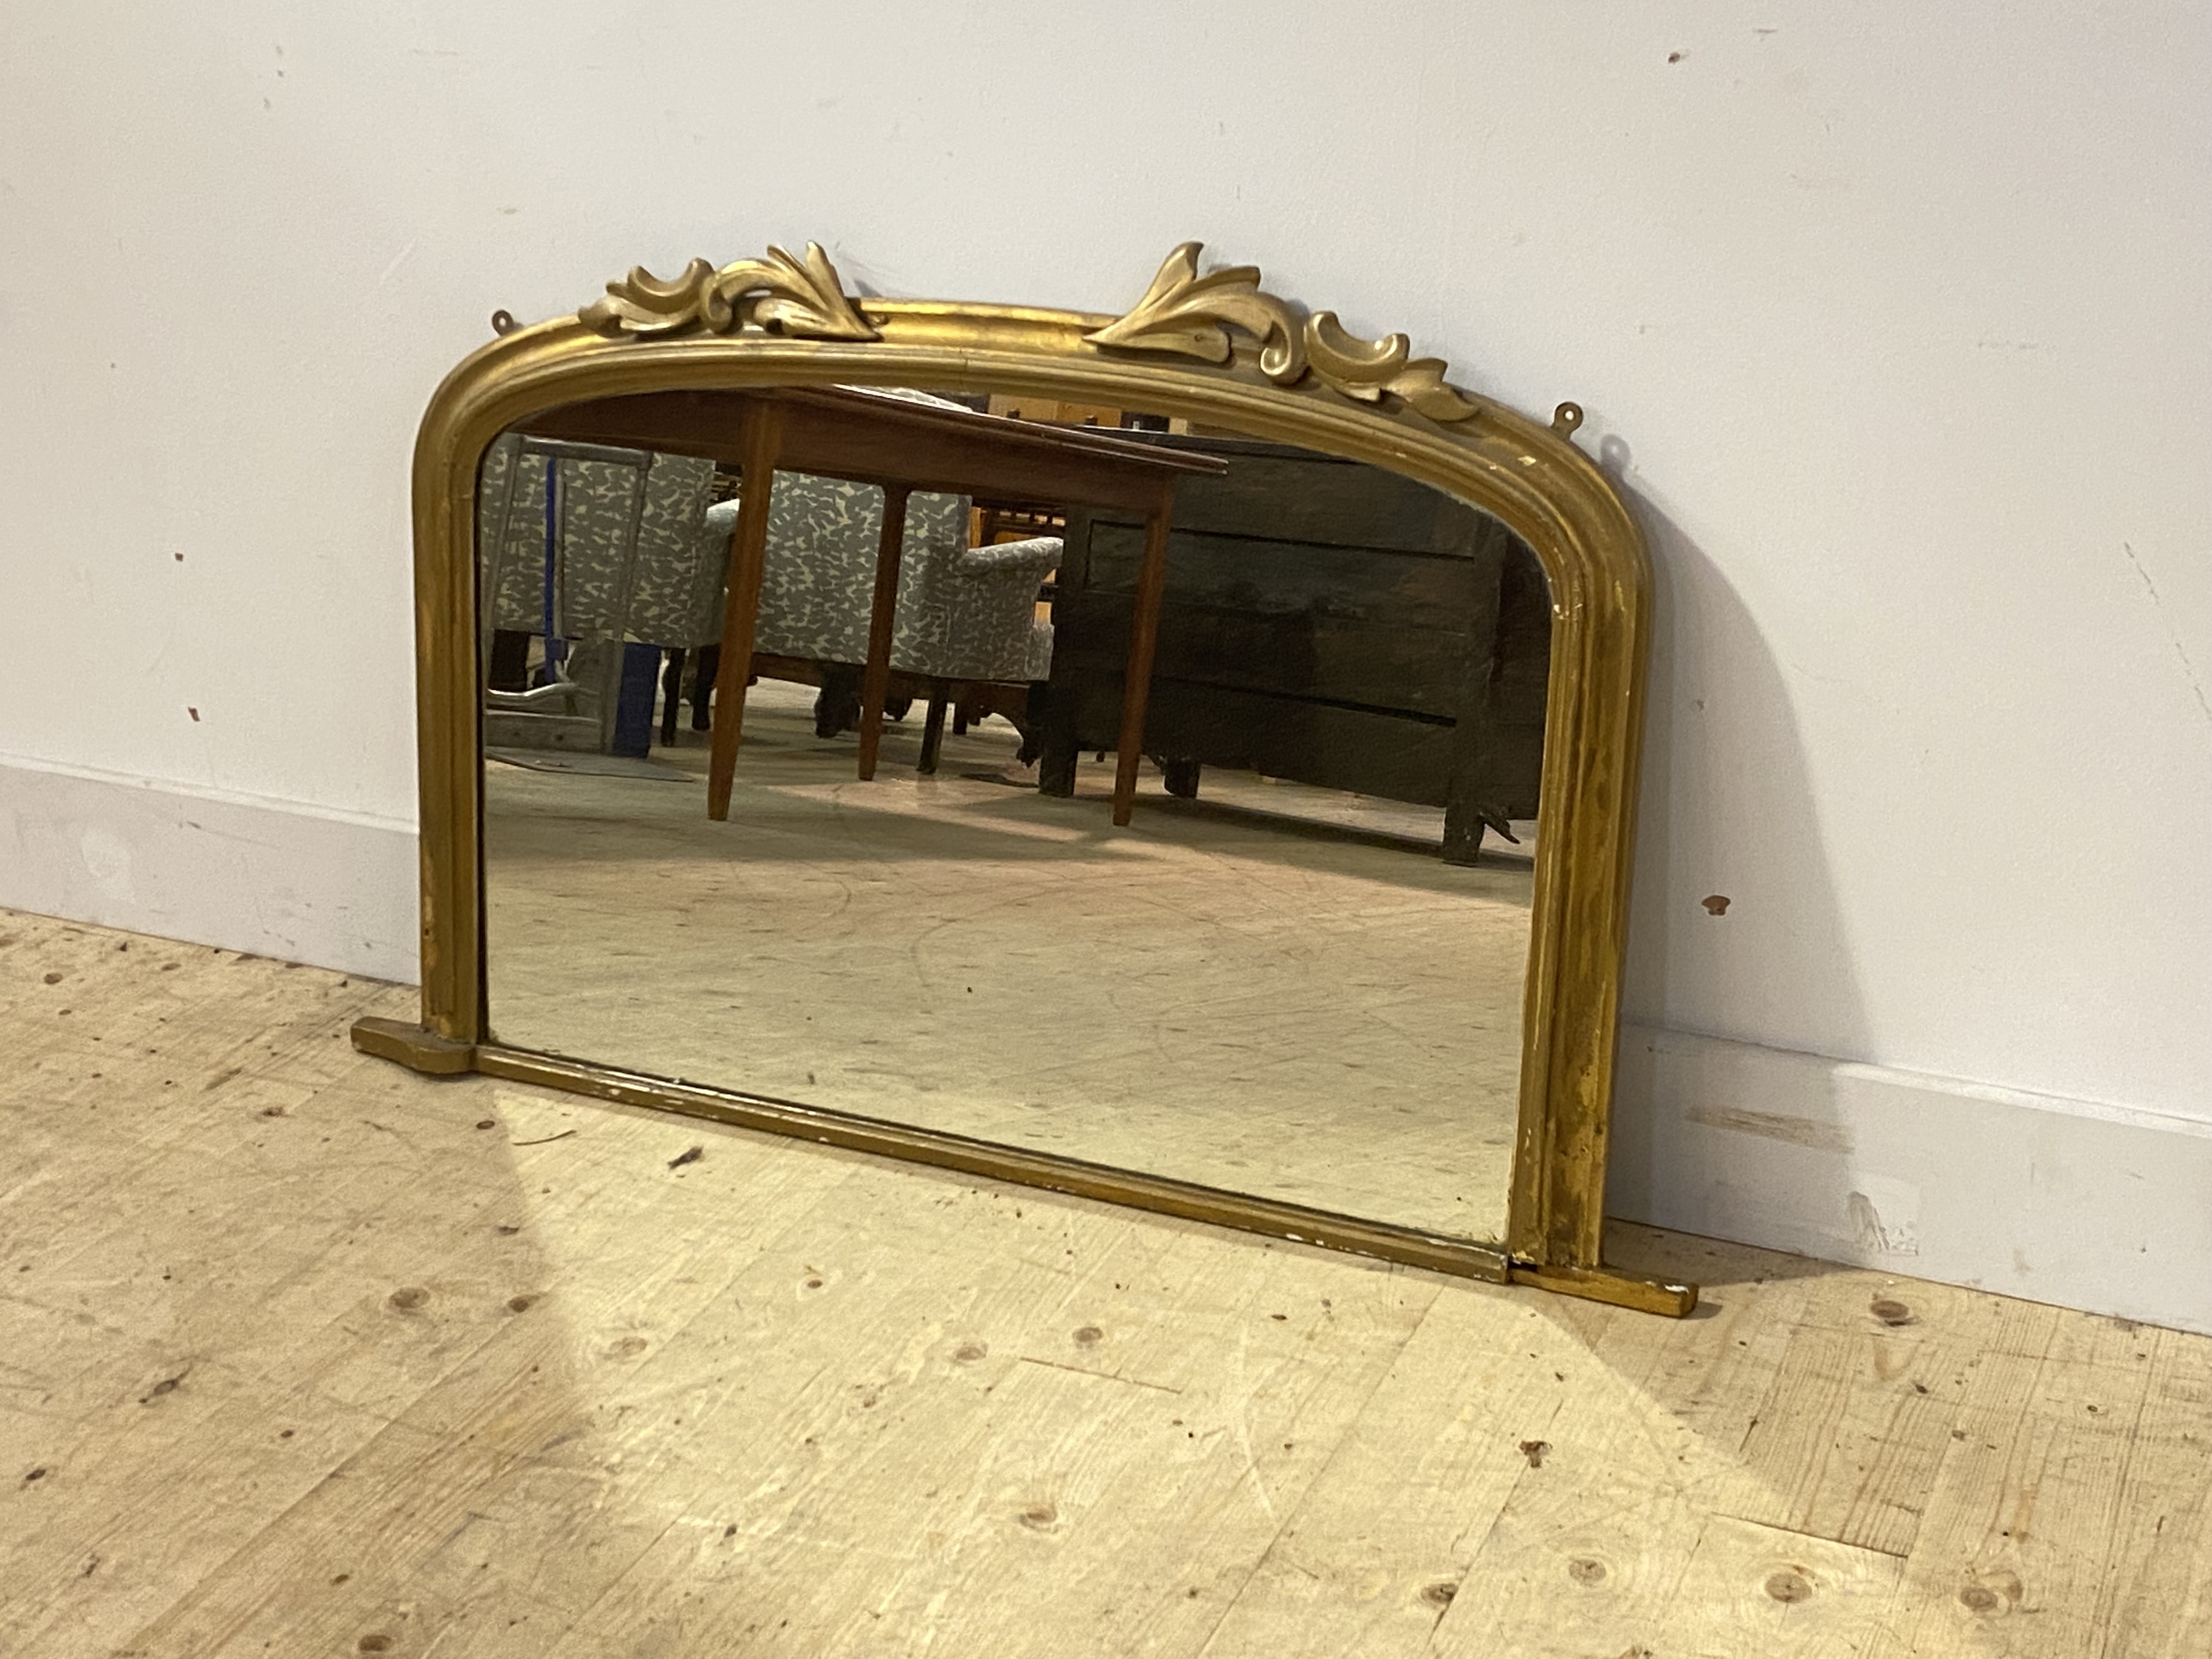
(900, 446)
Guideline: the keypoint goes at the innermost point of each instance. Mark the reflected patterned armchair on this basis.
(974, 615)
(628, 562)
(964, 613)
(628, 571)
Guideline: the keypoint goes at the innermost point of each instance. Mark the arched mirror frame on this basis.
(1214, 348)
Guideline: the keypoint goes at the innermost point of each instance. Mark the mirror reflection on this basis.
(815, 766)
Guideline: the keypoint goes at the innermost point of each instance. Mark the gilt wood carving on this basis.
(1219, 348)
(1182, 313)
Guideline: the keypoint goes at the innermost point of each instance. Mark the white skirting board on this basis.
(2059, 1201)
(270, 878)
(2068, 1201)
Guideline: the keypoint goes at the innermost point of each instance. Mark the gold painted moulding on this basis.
(1215, 348)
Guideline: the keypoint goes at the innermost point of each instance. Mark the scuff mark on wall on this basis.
(107, 860)
(2188, 668)
(1798, 1130)
(1896, 1234)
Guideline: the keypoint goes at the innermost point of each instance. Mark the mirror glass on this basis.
(1296, 972)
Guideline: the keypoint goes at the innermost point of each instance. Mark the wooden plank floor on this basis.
(302, 1355)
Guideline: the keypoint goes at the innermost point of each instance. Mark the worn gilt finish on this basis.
(1216, 348)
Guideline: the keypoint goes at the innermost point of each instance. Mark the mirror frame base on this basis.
(416, 1047)
(1639, 1291)
(421, 1050)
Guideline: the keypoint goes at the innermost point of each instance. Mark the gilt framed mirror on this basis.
(1184, 758)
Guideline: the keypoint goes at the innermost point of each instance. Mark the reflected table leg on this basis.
(759, 436)
(1144, 636)
(882, 613)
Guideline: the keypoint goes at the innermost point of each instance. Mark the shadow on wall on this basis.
(1734, 931)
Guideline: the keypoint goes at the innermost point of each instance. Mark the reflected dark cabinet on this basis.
(1325, 621)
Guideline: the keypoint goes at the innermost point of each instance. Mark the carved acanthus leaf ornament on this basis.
(1191, 315)
(802, 298)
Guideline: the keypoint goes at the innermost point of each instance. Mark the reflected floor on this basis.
(1226, 992)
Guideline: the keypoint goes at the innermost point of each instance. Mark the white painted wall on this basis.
(1894, 318)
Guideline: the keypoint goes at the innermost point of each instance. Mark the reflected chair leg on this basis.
(761, 433)
(1052, 718)
(671, 694)
(1473, 754)
(702, 687)
(1462, 833)
(1031, 723)
(1144, 636)
(609, 659)
(636, 670)
(509, 668)
(837, 705)
(881, 612)
(932, 729)
(1056, 770)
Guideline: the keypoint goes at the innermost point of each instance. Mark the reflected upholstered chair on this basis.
(616, 559)
(964, 615)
